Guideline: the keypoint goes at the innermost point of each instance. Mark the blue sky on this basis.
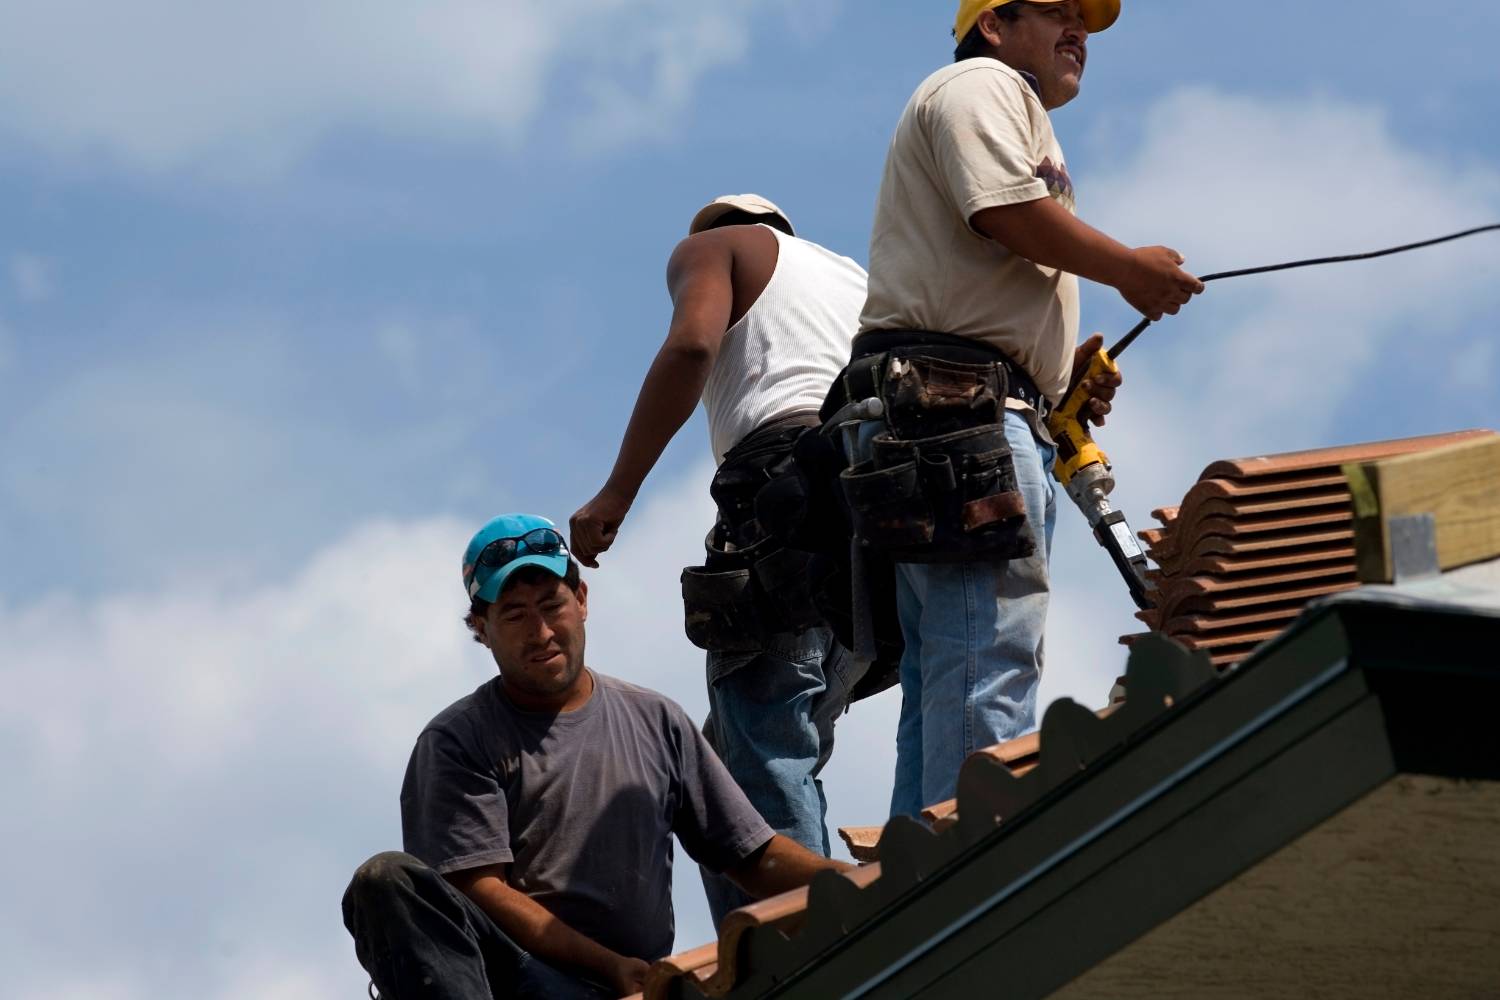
(293, 297)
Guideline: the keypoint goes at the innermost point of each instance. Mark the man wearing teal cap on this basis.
(538, 812)
(969, 335)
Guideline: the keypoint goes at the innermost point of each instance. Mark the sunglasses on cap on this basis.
(537, 542)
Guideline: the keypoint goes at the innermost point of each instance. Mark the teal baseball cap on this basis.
(507, 543)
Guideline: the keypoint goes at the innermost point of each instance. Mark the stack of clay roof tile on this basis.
(1254, 541)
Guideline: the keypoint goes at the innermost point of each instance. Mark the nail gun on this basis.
(1084, 471)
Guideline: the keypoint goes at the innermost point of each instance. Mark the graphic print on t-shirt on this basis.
(1059, 184)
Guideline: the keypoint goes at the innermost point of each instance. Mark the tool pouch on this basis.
(940, 486)
(719, 609)
(926, 397)
(889, 508)
(802, 508)
(785, 586)
(751, 586)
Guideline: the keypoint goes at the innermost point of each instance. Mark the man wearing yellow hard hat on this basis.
(968, 336)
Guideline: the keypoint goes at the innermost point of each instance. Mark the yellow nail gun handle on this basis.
(1083, 469)
(1076, 449)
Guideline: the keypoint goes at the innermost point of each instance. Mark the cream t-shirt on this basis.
(973, 136)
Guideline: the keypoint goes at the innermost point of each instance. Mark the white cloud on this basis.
(33, 276)
(246, 89)
(205, 766)
(1475, 367)
(399, 345)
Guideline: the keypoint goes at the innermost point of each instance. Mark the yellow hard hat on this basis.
(1097, 14)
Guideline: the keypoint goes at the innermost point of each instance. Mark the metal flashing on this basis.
(1414, 548)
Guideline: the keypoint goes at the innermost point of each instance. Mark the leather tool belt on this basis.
(751, 585)
(861, 379)
(939, 485)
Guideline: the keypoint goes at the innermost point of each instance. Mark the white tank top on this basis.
(784, 353)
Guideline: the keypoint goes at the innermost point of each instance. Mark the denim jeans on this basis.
(771, 717)
(973, 634)
(419, 938)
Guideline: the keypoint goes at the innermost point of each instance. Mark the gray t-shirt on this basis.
(581, 805)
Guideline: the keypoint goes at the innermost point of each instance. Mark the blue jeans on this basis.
(973, 634)
(771, 717)
(419, 938)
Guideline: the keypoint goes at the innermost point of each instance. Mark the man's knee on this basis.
(383, 877)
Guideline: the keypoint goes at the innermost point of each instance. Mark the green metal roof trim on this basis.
(1129, 820)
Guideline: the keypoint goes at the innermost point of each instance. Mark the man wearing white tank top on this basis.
(761, 325)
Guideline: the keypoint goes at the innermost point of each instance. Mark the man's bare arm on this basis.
(1044, 232)
(700, 279)
(538, 932)
(781, 865)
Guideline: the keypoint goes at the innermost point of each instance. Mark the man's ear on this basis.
(990, 26)
(583, 600)
(482, 631)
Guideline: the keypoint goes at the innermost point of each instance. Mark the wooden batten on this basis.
(1458, 485)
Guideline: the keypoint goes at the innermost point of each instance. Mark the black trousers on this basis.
(421, 939)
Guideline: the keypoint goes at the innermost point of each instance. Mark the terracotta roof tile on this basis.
(1231, 566)
(1229, 640)
(862, 842)
(1251, 544)
(1169, 548)
(1333, 459)
(1229, 489)
(1018, 755)
(1225, 659)
(715, 968)
(1273, 581)
(699, 965)
(1210, 623)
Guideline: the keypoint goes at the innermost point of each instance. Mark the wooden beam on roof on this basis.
(1458, 485)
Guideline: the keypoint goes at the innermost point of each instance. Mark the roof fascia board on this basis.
(1154, 764)
(1203, 846)
(964, 901)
